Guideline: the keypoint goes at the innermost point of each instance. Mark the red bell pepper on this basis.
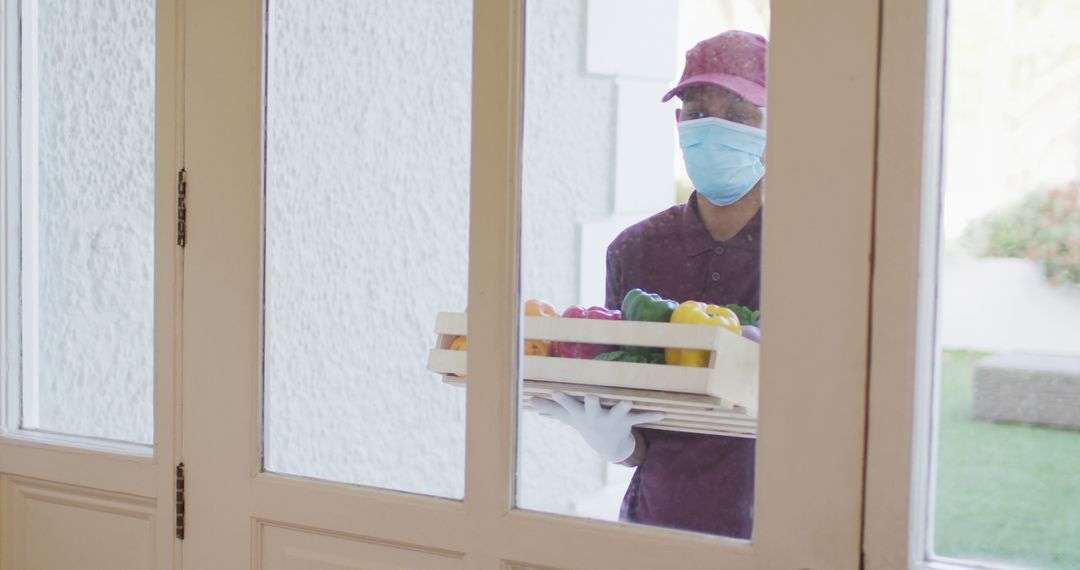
(582, 349)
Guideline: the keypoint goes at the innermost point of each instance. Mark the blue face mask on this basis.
(723, 158)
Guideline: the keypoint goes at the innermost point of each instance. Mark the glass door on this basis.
(380, 188)
(973, 431)
(91, 283)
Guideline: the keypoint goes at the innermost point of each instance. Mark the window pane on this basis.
(87, 200)
(367, 200)
(1008, 460)
(601, 154)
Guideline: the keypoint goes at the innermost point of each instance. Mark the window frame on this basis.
(902, 403)
(789, 516)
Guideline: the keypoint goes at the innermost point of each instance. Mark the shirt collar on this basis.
(696, 238)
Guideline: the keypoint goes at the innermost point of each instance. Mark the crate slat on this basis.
(721, 399)
(631, 375)
(597, 331)
(708, 415)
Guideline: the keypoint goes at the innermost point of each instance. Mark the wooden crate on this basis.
(720, 399)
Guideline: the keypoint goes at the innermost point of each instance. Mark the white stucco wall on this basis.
(367, 177)
(94, 222)
(567, 176)
(367, 202)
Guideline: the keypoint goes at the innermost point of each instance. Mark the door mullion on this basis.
(494, 247)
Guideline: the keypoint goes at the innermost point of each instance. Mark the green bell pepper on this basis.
(638, 305)
(654, 357)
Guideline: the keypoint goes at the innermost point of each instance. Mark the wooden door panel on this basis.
(51, 526)
(285, 548)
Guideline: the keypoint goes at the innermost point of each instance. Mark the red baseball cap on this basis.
(734, 60)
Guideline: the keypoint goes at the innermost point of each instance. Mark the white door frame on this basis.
(900, 400)
(814, 371)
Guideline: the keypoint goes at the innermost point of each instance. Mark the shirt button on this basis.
(715, 276)
(718, 249)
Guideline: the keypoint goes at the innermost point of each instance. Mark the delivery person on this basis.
(706, 250)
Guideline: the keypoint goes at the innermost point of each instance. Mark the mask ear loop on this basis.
(678, 113)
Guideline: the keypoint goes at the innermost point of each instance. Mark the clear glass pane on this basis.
(1008, 447)
(602, 154)
(367, 193)
(87, 119)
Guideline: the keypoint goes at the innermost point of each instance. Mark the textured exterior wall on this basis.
(366, 234)
(94, 226)
(567, 177)
(366, 238)
(368, 115)
(568, 148)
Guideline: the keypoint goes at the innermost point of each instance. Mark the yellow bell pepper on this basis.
(698, 313)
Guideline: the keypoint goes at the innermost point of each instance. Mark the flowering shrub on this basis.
(1043, 227)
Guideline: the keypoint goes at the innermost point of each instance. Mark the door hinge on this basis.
(180, 501)
(181, 207)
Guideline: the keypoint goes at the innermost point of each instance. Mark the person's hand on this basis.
(606, 430)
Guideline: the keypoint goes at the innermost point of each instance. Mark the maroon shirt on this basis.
(695, 482)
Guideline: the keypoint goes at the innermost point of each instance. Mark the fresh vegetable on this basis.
(532, 347)
(696, 312)
(538, 308)
(751, 332)
(656, 357)
(580, 349)
(535, 347)
(459, 343)
(747, 316)
(637, 305)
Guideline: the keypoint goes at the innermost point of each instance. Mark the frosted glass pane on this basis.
(88, 228)
(601, 154)
(367, 185)
(1007, 451)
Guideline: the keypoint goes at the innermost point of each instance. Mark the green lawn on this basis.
(1005, 492)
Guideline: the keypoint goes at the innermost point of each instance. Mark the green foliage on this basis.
(1043, 227)
(642, 357)
(683, 190)
(747, 316)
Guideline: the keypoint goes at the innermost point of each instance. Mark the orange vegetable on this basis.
(538, 308)
(535, 347)
(532, 347)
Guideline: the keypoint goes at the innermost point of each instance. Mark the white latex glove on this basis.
(606, 430)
